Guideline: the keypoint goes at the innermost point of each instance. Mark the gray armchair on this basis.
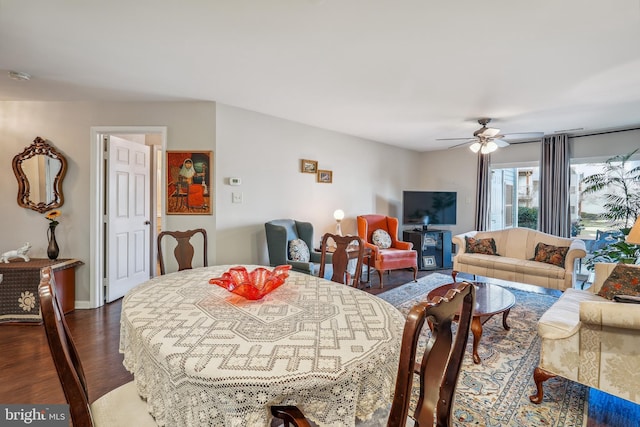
(279, 233)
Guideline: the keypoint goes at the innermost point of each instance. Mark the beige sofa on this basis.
(516, 247)
(591, 340)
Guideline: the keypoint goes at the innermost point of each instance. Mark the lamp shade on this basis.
(491, 146)
(634, 235)
(338, 214)
(475, 147)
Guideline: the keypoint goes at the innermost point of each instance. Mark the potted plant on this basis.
(622, 204)
(618, 252)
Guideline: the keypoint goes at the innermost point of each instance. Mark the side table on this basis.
(19, 300)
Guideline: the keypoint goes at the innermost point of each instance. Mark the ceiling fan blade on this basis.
(469, 141)
(455, 139)
(501, 143)
(490, 132)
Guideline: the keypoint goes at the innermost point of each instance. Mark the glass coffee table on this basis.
(490, 300)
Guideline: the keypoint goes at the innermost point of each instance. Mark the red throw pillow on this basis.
(551, 254)
(481, 246)
(623, 280)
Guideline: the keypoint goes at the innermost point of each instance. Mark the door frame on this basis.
(97, 197)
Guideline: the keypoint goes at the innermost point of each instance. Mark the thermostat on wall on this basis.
(235, 181)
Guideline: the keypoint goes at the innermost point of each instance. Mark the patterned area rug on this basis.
(496, 392)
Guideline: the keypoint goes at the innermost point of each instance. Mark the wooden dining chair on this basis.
(439, 369)
(120, 407)
(184, 250)
(346, 248)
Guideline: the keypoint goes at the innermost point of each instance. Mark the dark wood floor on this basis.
(28, 374)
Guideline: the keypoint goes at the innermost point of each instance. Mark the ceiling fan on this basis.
(487, 140)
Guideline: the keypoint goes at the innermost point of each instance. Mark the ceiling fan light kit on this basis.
(489, 147)
(487, 140)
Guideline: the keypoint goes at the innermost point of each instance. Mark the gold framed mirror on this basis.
(39, 170)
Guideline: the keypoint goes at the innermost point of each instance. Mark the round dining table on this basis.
(202, 356)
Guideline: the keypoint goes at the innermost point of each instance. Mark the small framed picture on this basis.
(325, 176)
(429, 261)
(308, 166)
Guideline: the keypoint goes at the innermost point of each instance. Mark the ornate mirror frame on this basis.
(54, 200)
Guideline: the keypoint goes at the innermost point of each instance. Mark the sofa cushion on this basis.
(491, 262)
(299, 251)
(623, 280)
(562, 319)
(381, 238)
(481, 246)
(551, 254)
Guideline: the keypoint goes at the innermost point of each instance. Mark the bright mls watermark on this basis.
(34, 415)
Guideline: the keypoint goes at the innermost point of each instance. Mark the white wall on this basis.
(455, 169)
(265, 152)
(67, 127)
(452, 170)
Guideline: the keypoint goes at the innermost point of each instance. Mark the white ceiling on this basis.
(403, 72)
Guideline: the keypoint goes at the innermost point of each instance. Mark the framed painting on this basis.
(325, 176)
(308, 166)
(189, 189)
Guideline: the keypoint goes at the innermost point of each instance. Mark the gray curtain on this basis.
(554, 216)
(483, 187)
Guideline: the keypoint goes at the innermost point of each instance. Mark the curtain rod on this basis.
(604, 132)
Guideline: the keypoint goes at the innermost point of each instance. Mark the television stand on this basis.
(433, 247)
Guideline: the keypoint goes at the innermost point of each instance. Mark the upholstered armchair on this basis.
(398, 255)
(591, 340)
(280, 233)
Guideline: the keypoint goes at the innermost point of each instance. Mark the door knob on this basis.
(147, 222)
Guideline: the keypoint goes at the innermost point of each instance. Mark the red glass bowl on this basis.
(253, 285)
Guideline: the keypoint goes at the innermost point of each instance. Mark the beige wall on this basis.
(455, 169)
(452, 170)
(264, 151)
(67, 126)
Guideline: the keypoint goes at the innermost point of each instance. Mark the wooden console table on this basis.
(19, 300)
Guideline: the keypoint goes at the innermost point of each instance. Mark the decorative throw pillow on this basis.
(381, 239)
(623, 280)
(298, 250)
(481, 246)
(551, 254)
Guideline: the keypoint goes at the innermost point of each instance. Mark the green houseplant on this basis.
(618, 252)
(622, 204)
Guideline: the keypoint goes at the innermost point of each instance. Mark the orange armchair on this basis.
(399, 255)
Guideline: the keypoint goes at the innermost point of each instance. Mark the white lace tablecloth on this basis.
(202, 356)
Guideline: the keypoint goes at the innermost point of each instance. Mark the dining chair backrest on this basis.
(184, 250)
(346, 247)
(63, 350)
(441, 361)
(440, 366)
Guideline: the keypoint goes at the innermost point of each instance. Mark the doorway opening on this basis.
(120, 190)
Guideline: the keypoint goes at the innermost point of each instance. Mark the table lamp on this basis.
(634, 235)
(338, 215)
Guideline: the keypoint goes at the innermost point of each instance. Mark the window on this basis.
(514, 197)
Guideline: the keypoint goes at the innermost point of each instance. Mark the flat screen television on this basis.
(429, 208)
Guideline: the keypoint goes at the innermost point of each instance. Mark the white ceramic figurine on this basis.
(16, 253)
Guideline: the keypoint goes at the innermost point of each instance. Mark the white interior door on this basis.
(128, 216)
